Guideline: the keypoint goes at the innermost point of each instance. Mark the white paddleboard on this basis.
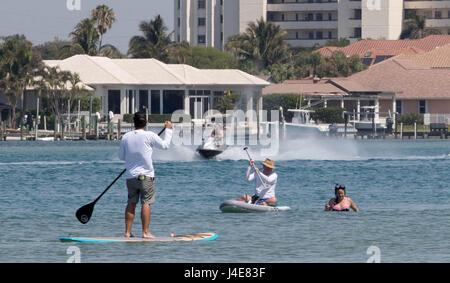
(176, 238)
(234, 205)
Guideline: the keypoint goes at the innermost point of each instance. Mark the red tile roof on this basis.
(389, 47)
(422, 76)
(304, 87)
(437, 58)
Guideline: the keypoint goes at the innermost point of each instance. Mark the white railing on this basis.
(436, 118)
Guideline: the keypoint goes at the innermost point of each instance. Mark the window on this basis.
(422, 106)
(130, 101)
(330, 35)
(155, 101)
(201, 39)
(310, 17)
(399, 106)
(319, 17)
(143, 100)
(201, 4)
(437, 15)
(114, 101)
(319, 35)
(201, 22)
(357, 32)
(311, 35)
(172, 100)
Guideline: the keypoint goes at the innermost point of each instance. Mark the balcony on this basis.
(430, 4)
(302, 6)
(306, 42)
(333, 24)
(354, 4)
(438, 23)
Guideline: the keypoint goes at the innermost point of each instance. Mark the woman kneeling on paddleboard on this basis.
(340, 202)
(265, 183)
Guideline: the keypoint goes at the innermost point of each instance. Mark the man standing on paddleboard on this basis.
(136, 149)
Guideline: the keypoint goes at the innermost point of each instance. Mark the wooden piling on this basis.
(83, 127)
(96, 127)
(415, 130)
(119, 129)
(401, 130)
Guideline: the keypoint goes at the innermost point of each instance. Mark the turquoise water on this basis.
(401, 187)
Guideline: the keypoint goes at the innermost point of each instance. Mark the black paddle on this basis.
(257, 173)
(84, 213)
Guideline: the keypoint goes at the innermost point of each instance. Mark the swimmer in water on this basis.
(340, 202)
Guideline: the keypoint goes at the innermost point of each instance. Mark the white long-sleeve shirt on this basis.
(136, 149)
(270, 183)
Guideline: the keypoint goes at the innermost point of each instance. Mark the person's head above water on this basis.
(339, 191)
(140, 121)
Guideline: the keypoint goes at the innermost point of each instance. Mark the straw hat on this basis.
(269, 163)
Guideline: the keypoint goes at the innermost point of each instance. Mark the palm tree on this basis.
(262, 43)
(154, 43)
(86, 40)
(415, 28)
(85, 37)
(105, 17)
(61, 88)
(17, 70)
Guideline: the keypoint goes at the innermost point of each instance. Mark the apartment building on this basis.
(306, 22)
(436, 12)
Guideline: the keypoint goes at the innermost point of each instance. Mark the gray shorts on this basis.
(145, 190)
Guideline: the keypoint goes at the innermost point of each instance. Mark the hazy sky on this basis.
(43, 20)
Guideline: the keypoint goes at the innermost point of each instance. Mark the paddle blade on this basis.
(84, 213)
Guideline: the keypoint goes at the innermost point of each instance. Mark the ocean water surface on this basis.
(401, 187)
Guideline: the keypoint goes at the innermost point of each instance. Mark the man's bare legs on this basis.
(129, 217)
(145, 218)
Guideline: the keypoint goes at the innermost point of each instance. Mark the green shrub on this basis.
(287, 101)
(159, 118)
(128, 118)
(410, 118)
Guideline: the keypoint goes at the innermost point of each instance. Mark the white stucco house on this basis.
(131, 85)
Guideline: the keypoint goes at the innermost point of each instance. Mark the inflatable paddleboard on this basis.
(239, 205)
(174, 238)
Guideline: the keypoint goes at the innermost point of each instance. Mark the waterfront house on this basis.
(130, 85)
(407, 83)
(148, 85)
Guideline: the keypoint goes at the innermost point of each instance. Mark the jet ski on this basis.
(210, 148)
